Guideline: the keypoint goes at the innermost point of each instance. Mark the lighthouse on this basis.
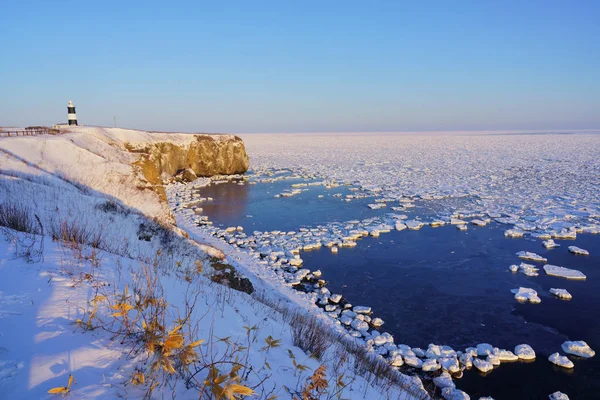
(72, 116)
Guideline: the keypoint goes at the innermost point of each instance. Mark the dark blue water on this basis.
(449, 287)
(444, 286)
(254, 207)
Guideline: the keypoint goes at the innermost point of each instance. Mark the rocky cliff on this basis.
(202, 155)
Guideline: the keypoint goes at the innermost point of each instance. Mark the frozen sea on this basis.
(439, 285)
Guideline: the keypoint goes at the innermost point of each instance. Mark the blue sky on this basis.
(302, 66)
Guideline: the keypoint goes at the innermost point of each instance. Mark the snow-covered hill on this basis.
(101, 286)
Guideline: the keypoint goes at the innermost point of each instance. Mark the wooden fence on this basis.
(29, 131)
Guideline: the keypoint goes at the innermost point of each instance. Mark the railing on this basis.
(30, 131)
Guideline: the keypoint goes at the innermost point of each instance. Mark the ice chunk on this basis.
(436, 351)
(558, 396)
(565, 234)
(495, 360)
(400, 226)
(457, 221)
(528, 269)
(413, 361)
(505, 355)
(561, 361)
(444, 381)
(478, 222)
(562, 272)
(454, 394)
(484, 349)
(527, 255)
(524, 352)
(462, 227)
(550, 244)
(561, 294)
(450, 364)
(414, 225)
(396, 360)
(430, 364)
(513, 233)
(483, 365)
(578, 348)
(361, 309)
(526, 294)
(360, 325)
(578, 251)
(377, 322)
(466, 360)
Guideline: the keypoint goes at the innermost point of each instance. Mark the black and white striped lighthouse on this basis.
(72, 115)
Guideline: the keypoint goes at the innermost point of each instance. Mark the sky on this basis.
(302, 66)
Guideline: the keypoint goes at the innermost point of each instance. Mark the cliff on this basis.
(206, 156)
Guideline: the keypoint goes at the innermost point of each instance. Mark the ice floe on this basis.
(450, 393)
(578, 251)
(524, 352)
(527, 269)
(561, 293)
(444, 380)
(578, 348)
(561, 361)
(414, 225)
(526, 255)
(483, 365)
(558, 396)
(550, 244)
(526, 295)
(562, 272)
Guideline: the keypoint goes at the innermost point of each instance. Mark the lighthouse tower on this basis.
(72, 115)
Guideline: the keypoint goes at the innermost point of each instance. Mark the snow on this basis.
(576, 250)
(526, 295)
(578, 348)
(562, 272)
(561, 361)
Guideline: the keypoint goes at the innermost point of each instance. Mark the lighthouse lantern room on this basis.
(72, 116)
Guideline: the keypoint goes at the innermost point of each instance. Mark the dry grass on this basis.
(318, 340)
(18, 217)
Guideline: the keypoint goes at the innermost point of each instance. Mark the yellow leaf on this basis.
(59, 390)
(174, 330)
(196, 343)
(235, 370)
(70, 381)
(240, 390)
(221, 379)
